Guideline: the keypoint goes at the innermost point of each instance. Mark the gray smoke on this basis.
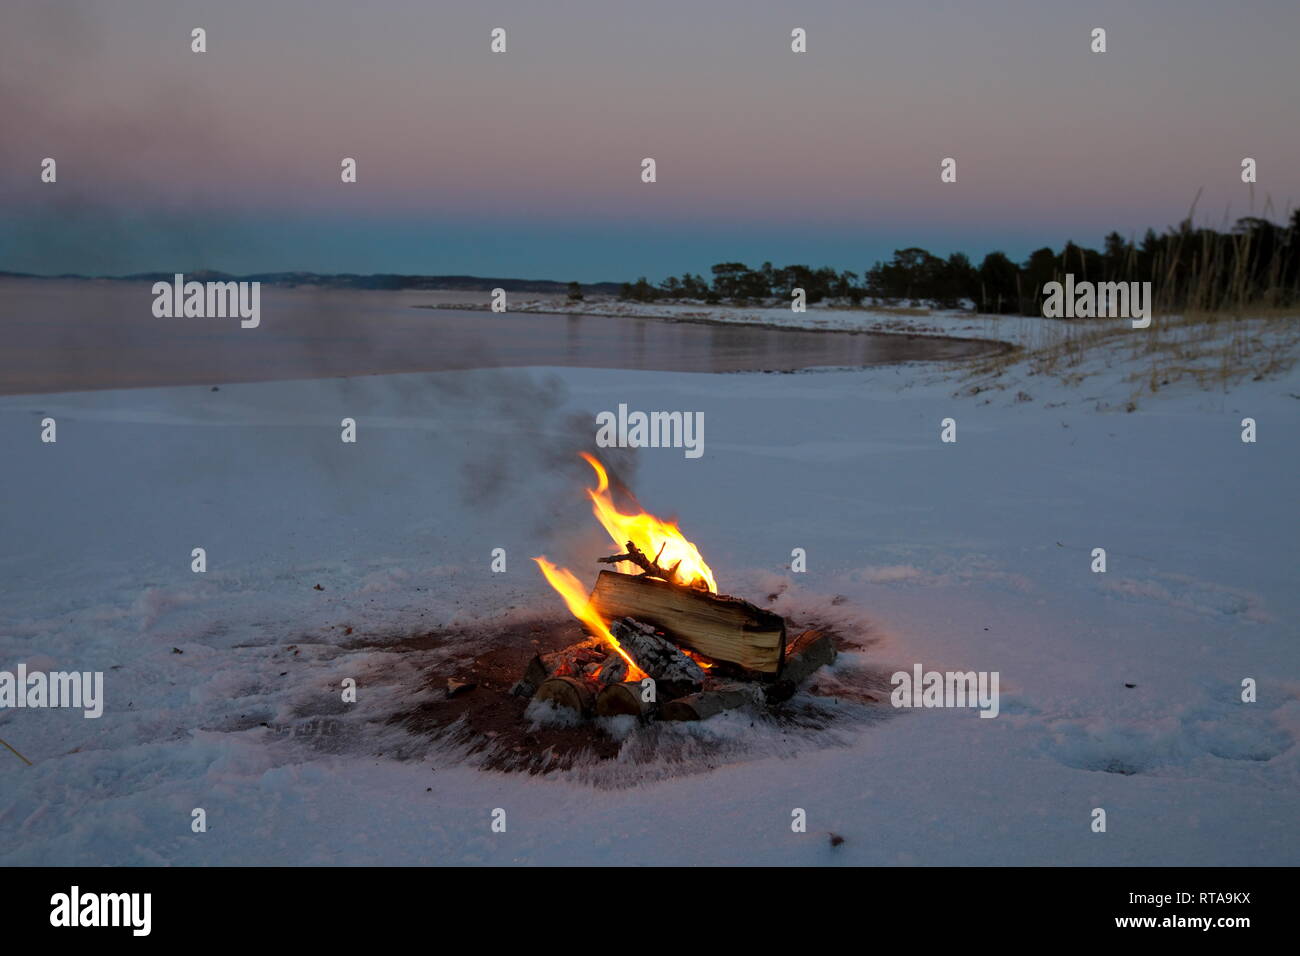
(113, 154)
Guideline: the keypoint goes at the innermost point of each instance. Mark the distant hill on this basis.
(351, 281)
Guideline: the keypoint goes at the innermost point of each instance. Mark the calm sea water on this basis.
(74, 335)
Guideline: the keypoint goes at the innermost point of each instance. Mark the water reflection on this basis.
(79, 335)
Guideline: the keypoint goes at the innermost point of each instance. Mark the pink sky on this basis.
(1048, 136)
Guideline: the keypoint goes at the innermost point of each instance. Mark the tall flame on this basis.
(659, 540)
(575, 596)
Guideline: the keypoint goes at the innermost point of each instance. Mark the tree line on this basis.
(1255, 263)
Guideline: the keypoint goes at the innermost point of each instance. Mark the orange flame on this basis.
(575, 596)
(704, 662)
(659, 540)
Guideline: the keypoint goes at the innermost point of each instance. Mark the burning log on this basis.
(674, 673)
(576, 660)
(623, 698)
(702, 706)
(570, 678)
(719, 627)
(568, 692)
(613, 671)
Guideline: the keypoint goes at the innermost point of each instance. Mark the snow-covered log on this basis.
(719, 697)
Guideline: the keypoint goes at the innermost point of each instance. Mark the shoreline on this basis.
(998, 346)
(663, 317)
(825, 316)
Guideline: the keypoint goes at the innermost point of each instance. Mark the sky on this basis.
(528, 163)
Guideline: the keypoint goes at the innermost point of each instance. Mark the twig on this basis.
(15, 752)
(649, 568)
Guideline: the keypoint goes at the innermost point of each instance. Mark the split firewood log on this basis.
(534, 674)
(807, 652)
(723, 629)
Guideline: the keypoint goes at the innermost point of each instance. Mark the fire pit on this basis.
(663, 644)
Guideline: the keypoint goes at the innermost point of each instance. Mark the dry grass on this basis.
(1220, 315)
(1215, 350)
(1212, 349)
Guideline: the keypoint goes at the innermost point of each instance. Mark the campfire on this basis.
(663, 644)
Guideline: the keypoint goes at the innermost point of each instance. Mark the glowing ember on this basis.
(575, 596)
(704, 662)
(659, 540)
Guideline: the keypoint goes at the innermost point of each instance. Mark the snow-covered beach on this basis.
(1120, 690)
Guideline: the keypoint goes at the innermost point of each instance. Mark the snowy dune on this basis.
(970, 556)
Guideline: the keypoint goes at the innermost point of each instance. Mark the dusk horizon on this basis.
(528, 164)
(587, 258)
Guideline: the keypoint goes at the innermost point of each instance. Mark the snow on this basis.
(967, 556)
